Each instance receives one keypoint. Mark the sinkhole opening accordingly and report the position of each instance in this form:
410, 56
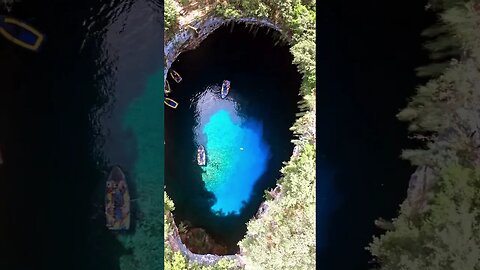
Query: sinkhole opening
245, 135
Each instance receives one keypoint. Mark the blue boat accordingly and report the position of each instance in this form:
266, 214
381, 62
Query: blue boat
225, 88
201, 157
171, 103
20, 33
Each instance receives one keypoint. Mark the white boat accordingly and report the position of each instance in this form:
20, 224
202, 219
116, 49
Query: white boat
201, 157
225, 88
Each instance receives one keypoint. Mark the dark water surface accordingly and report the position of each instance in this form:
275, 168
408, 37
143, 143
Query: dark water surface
367, 55
67, 114
247, 135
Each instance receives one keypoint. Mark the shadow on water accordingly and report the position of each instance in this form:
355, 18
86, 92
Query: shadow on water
265, 84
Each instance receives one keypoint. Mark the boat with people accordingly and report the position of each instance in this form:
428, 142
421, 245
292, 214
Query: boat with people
20, 33
171, 103
225, 88
117, 201
201, 157
175, 76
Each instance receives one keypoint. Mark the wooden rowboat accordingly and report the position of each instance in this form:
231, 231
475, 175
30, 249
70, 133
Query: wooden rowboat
175, 76
20, 33
225, 88
117, 201
171, 103
167, 88
201, 157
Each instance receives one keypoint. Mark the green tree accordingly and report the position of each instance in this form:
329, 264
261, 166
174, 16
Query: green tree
444, 112
284, 238
170, 15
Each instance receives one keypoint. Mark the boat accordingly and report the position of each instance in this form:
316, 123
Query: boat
175, 76
225, 88
1, 157
171, 103
201, 157
167, 88
117, 201
20, 33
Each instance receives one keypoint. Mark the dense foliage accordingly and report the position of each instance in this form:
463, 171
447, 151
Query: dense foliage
446, 114
170, 15
284, 236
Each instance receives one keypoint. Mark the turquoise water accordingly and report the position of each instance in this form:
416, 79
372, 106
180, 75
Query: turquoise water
237, 155
144, 118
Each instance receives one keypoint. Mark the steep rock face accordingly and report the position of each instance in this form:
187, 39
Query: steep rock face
190, 37
199, 242
175, 241
421, 183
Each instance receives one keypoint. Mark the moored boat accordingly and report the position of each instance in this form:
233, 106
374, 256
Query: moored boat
20, 33
201, 157
175, 76
167, 88
171, 103
117, 201
225, 88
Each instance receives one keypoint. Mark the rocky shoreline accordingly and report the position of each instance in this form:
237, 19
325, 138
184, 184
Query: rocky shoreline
188, 38
176, 243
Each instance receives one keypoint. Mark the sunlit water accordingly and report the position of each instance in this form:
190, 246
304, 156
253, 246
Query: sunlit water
237, 155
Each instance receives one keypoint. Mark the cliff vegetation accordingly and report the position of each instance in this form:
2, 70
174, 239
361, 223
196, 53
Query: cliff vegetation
443, 230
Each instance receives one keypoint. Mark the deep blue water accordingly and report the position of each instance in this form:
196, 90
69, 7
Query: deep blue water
246, 135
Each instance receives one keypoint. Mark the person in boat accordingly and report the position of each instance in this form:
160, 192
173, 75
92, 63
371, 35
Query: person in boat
118, 214
118, 199
122, 187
